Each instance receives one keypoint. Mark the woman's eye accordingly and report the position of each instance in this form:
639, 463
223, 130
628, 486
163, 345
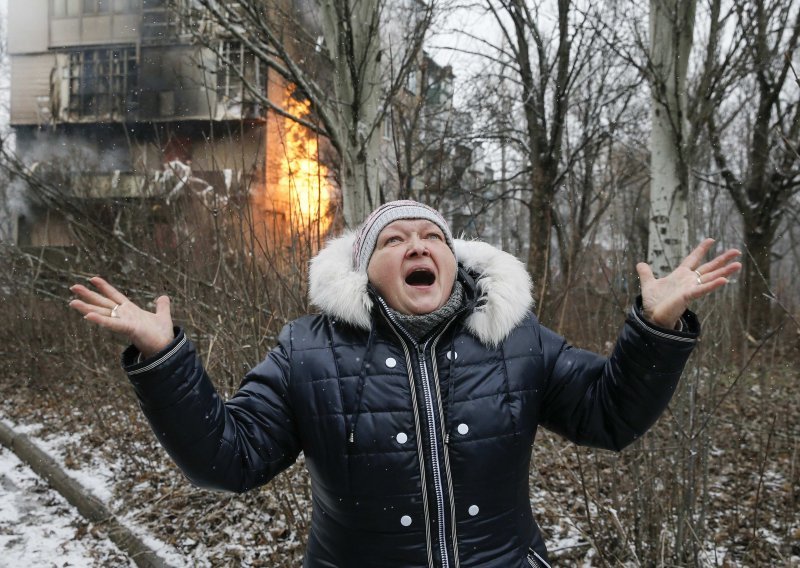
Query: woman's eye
391, 241
436, 236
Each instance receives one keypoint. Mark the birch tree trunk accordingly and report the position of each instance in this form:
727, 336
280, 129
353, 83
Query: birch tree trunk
671, 31
671, 34
352, 34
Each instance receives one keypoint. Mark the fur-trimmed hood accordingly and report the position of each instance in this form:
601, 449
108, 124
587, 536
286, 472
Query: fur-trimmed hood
504, 287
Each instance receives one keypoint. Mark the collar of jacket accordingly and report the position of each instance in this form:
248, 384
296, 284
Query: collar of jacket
503, 287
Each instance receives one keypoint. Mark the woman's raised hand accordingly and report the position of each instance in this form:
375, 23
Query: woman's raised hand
665, 299
108, 307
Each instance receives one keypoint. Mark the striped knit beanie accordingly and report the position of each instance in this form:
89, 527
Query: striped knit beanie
367, 236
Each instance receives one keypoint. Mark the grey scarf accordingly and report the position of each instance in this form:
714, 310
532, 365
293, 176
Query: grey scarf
418, 326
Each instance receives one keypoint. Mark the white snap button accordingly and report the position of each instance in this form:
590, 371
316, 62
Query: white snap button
452, 355
405, 520
402, 438
473, 510
463, 429
391, 362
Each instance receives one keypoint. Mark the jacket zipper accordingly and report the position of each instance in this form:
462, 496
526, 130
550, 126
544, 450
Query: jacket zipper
446, 450
432, 434
420, 454
434, 447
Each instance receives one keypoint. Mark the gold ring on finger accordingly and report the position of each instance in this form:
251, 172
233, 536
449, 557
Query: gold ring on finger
114, 313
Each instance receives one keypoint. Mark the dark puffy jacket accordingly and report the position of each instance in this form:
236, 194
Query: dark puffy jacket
419, 454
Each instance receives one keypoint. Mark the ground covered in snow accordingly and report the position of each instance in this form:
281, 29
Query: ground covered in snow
39, 528
715, 483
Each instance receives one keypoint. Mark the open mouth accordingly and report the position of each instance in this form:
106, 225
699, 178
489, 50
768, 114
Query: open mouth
421, 277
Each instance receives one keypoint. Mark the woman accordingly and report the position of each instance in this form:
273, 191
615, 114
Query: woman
415, 394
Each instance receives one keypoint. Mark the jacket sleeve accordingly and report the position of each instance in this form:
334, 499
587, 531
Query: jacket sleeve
610, 402
232, 446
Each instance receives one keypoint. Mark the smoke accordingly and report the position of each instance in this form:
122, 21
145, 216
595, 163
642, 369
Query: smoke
73, 155
16, 203
58, 161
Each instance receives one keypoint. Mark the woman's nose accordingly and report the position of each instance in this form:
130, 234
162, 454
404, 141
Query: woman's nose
416, 246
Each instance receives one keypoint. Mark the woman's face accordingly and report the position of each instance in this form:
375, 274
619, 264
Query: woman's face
412, 267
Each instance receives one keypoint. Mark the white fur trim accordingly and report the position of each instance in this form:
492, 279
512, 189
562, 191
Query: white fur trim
504, 287
336, 287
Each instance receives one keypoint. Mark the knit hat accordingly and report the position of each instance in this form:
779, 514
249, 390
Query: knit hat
367, 236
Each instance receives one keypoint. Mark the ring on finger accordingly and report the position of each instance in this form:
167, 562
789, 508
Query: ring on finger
699, 277
114, 313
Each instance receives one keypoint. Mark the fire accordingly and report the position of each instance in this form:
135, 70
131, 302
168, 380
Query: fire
301, 190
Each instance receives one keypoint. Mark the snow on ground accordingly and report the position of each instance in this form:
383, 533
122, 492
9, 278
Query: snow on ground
39, 528
97, 478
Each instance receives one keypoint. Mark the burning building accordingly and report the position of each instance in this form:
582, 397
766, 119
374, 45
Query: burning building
134, 108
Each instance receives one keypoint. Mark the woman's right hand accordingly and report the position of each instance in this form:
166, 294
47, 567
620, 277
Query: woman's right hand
149, 332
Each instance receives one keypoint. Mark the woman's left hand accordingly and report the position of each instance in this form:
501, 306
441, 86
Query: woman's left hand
665, 299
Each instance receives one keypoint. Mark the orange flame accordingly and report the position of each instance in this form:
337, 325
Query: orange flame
302, 182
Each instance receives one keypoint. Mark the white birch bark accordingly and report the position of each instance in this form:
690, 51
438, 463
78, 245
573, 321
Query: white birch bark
351, 32
671, 31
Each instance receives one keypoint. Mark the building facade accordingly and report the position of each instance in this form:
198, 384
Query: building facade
123, 98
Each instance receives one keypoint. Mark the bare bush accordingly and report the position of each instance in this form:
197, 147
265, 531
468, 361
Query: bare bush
233, 285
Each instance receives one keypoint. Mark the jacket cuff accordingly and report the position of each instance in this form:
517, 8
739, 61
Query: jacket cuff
689, 330
133, 362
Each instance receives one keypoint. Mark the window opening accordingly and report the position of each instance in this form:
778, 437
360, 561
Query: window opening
235, 62
411, 81
102, 82
159, 21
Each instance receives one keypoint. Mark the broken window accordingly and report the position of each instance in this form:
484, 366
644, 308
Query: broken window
160, 21
102, 82
239, 73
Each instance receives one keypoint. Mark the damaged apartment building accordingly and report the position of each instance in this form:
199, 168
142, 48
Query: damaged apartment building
122, 98
118, 93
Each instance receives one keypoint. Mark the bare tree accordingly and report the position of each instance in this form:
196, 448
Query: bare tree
529, 116
765, 120
566, 92
541, 73
594, 158
680, 102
